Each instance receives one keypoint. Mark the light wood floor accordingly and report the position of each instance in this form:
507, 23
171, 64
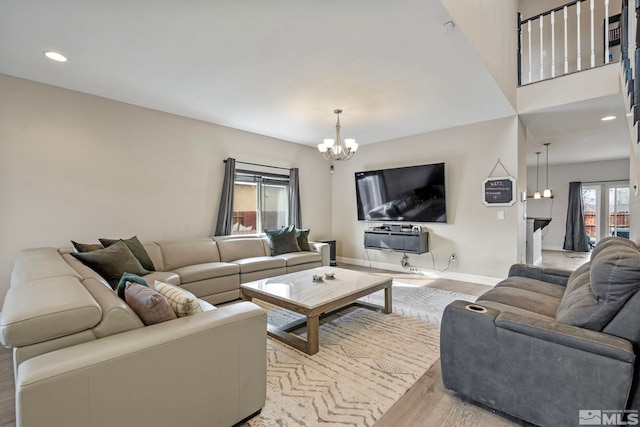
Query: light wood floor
427, 403
7, 389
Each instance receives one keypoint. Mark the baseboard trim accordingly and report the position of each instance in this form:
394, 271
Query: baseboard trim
463, 277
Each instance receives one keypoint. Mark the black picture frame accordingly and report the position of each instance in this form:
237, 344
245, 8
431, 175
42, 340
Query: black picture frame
499, 191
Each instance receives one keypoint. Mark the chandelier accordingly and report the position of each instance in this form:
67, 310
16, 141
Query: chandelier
335, 149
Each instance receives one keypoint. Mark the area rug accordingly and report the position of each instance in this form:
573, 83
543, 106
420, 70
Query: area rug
367, 361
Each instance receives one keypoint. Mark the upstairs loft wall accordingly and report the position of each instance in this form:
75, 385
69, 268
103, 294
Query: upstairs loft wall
491, 28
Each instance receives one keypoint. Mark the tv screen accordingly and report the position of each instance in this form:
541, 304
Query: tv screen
414, 193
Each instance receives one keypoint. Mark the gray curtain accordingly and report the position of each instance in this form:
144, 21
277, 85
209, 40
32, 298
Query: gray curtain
295, 215
225, 211
575, 238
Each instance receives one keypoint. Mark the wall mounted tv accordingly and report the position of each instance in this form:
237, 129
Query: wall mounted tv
411, 194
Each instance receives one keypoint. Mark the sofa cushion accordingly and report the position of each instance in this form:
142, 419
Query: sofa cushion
180, 253
40, 263
232, 249
302, 237
117, 316
194, 273
534, 285
610, 241
137, 249
148, 304
282, 240
86, 247
128, 277
45, 309
298, 258
592, 300
523, 299
183, 302
250, 265
162, 276
112, 262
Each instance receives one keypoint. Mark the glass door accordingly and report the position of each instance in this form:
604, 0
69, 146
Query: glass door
590, 200
606, 210
619, 211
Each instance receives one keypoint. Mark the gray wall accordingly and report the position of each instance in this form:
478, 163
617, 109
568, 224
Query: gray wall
484, 244
559, 178
76, 166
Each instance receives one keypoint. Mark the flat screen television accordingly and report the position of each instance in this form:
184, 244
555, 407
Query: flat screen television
407, 194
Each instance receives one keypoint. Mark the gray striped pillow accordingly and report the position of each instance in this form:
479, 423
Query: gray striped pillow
183, 302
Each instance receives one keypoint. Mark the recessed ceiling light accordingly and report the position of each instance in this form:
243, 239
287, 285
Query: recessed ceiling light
55, 56
607, 118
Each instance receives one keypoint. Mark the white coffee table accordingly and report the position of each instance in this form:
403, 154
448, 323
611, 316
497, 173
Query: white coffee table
297, 292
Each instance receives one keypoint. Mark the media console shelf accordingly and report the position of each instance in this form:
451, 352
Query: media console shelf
399, 241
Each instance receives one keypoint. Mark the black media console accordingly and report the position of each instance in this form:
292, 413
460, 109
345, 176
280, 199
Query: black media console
397, 238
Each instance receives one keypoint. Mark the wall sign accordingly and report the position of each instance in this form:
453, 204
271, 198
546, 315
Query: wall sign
499, 191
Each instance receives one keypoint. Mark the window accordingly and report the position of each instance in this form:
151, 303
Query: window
606, 209
260, 202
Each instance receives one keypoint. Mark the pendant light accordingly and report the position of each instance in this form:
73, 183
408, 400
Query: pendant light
547, 191
536, 195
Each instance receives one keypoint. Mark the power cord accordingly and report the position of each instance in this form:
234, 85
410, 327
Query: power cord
404, 262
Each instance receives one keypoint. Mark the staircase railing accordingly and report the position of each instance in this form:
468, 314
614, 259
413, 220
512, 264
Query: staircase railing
577, 33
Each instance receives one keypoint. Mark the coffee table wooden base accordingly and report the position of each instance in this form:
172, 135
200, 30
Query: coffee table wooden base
311, 344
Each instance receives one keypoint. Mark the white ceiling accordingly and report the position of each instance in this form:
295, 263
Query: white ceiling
577, 133
278, 67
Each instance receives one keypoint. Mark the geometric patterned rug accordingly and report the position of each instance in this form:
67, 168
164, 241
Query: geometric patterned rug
367, 361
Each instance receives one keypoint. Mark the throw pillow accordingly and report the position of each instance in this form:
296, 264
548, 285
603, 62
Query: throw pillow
302, 236
86, 247
136, 248
150, 306
183, 302
282, 240
126, 278
613, 278
112, 262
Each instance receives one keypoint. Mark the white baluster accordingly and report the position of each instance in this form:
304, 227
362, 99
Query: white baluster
593, 48
566, 50
553, 43
579, 60
541, 48
606, 31
529, 41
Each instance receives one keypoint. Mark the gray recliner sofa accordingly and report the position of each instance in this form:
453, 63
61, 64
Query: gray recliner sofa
546, 344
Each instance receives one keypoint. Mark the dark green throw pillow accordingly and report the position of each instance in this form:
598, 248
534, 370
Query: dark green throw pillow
136, 248
282, 240
302, 236
128, 277
112, 262
86, 247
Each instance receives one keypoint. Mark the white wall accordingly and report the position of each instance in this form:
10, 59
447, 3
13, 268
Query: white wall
559, 178
485, 24
483, 244
76, 166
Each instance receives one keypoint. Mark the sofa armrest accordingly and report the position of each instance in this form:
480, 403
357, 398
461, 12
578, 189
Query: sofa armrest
322, 249
210, 366
551, 275
568, 335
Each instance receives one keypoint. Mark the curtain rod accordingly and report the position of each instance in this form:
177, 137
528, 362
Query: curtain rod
258, 164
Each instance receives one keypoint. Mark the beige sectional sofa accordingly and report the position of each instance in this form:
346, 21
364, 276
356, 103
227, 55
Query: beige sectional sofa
82, 356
